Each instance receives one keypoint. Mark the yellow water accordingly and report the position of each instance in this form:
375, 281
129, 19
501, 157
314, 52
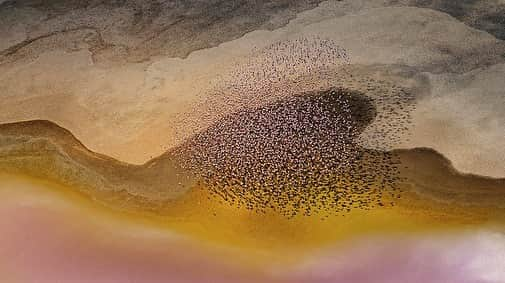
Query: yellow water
259, 236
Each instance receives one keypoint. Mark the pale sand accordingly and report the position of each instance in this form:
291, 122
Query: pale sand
128, 111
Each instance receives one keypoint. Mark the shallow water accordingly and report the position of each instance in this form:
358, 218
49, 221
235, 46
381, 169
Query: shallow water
48, 236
